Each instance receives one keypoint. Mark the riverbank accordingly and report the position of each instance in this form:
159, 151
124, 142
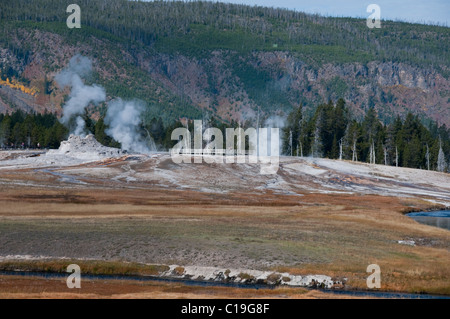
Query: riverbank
194, 274
52, 285
113, 273
19, 287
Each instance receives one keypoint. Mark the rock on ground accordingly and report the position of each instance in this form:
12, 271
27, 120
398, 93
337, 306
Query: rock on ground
86, 148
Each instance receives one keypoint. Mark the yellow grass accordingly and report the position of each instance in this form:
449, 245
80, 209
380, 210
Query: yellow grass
336, 235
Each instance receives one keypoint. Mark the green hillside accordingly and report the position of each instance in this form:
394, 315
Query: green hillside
229, 47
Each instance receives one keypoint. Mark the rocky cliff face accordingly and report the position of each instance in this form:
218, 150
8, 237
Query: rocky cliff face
392, 88
227, 84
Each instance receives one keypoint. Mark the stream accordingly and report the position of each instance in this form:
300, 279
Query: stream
355, 293
439, 218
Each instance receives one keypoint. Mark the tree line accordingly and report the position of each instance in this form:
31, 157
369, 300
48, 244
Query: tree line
21, 130
330, 132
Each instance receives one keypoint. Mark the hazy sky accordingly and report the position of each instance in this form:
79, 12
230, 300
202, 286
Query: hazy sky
422, 11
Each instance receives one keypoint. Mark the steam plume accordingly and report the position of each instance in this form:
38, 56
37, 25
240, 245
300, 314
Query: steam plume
123, 119
81, 95
276, 121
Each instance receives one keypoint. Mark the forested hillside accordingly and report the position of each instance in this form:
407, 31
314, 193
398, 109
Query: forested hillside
184, 59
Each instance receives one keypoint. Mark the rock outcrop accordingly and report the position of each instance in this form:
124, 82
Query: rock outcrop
86, 148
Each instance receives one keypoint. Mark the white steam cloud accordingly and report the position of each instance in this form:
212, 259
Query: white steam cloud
80, 128
81, 95
123, 119
275, 121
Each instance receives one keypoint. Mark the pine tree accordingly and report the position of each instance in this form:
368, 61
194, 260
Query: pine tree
99, 132
5, 131
351, 141
316, 143
293, 131
370, 128
390, 144
89, 124
334, 153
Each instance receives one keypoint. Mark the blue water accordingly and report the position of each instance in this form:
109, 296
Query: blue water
439, 219
441, 213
